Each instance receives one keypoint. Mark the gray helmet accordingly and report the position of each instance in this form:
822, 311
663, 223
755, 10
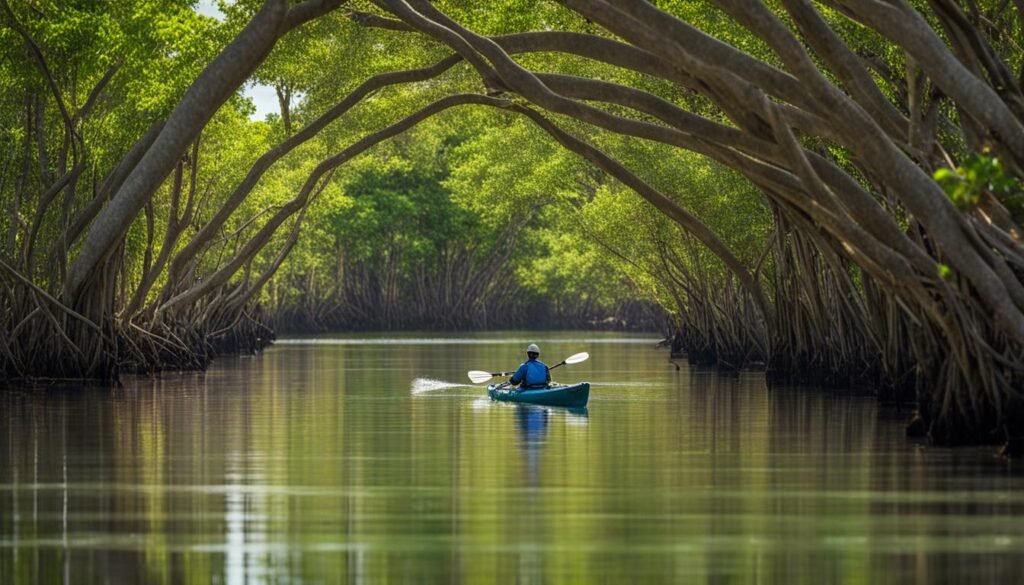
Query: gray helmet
532, 348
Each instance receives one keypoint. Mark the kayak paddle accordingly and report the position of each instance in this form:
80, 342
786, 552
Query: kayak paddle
478, 376
573, 359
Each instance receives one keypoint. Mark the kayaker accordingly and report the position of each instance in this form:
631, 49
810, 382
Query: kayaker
533, 373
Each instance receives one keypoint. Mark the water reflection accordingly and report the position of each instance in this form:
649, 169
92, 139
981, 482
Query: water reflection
318, 464
532, 423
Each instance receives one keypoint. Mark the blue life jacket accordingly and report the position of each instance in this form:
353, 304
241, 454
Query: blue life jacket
532, 373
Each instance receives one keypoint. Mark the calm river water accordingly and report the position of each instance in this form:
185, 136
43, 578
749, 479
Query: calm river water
367, 460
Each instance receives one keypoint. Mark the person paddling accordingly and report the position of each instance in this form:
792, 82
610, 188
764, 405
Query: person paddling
533, 373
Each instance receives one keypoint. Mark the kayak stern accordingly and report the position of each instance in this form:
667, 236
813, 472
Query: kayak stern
568, 395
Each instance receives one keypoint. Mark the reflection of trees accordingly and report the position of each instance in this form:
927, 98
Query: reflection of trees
307, 465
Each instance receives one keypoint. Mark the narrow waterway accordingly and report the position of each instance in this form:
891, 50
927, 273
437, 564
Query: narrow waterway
369, 459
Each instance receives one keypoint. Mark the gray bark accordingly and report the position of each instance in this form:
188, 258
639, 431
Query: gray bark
218, 81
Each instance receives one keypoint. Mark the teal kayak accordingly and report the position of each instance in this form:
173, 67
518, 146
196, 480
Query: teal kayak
567, 395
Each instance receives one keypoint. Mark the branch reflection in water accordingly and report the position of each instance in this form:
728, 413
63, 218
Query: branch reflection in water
321, 464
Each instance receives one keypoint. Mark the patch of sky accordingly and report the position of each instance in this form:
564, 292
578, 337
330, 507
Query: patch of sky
262, 96
209, 8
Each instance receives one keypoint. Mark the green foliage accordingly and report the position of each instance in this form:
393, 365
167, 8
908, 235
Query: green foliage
978, 175
498, 17
721, 198
457, 180
626, 232
510, 165
563, 265
394, 209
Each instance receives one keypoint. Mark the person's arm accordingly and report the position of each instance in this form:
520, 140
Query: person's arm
547, 375
519, 375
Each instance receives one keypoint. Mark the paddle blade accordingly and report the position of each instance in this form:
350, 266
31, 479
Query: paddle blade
577, 358
478, 376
